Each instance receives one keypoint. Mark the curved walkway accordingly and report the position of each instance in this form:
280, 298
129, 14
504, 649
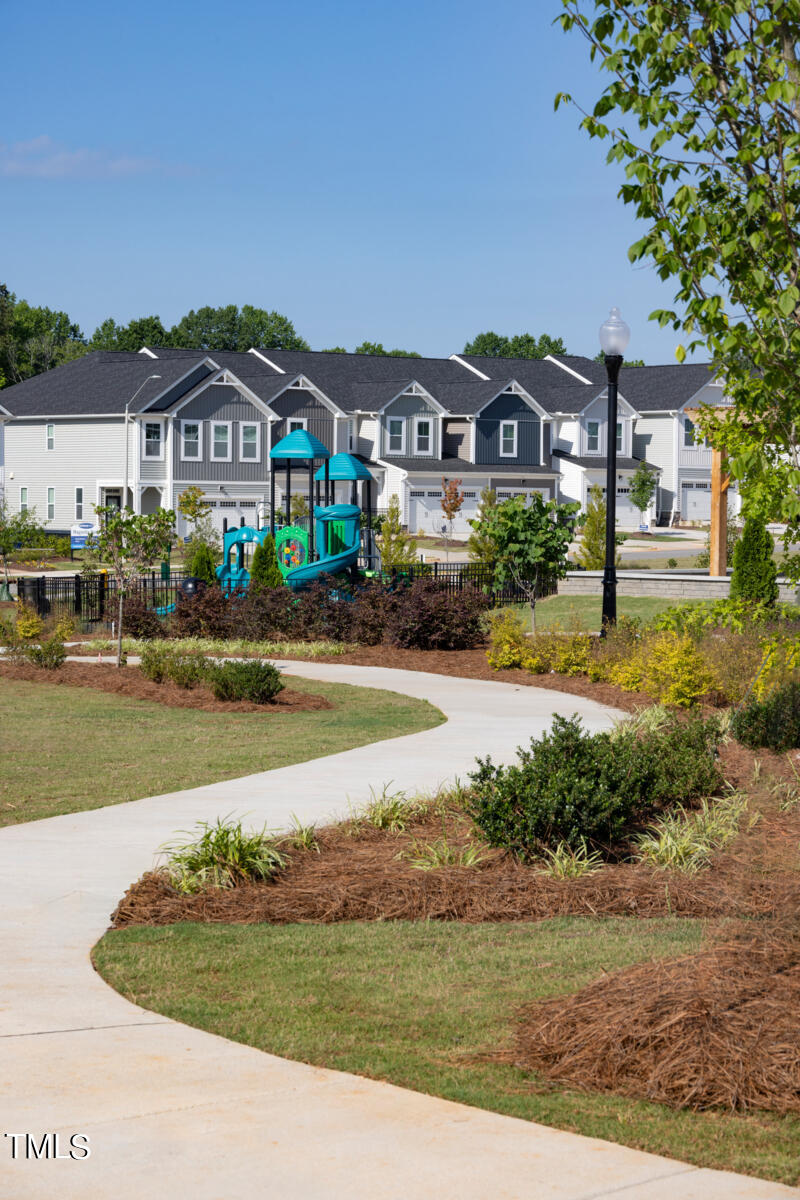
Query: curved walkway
171, 1110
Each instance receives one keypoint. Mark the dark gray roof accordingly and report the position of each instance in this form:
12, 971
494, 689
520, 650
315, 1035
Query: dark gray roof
458, 466
553, 388
656, 389
100, 382
598, 461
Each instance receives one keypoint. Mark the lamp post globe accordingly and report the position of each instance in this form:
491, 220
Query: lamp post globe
614, 337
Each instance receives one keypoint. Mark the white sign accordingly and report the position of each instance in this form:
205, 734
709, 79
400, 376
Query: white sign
81, 533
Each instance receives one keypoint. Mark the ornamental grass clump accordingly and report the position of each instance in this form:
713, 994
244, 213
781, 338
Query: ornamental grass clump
223, 856
583, 789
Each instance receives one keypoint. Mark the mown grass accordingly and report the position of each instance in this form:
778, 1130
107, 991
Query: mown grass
428, 1006
584, 612
64, 749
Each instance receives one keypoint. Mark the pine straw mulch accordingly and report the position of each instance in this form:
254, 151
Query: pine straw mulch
357, 876
129, 681
714, 1029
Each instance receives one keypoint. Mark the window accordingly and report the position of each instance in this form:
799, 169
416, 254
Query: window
298, 423
191, 439
592, 437
221, 441
397, 435
508, 439
423, 441
23, 500
688, 432
78, 504
249, 443
51, 504
51, 436
619, 437
152, 439
351, 435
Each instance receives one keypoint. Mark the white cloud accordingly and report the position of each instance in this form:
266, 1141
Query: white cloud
44, 158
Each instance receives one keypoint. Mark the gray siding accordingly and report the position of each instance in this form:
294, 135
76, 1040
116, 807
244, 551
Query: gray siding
456, 439
297, 402
529, 431
220, 403
409, 407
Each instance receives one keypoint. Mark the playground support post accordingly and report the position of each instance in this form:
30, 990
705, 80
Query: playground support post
311, 510
287, 500
272, 466
327, 483
368, 556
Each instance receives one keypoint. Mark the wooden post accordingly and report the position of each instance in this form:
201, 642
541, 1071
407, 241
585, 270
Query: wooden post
720, 481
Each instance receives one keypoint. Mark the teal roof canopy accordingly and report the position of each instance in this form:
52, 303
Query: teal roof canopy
300, 444
345, 466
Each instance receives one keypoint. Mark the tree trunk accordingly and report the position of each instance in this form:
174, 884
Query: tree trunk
119, 630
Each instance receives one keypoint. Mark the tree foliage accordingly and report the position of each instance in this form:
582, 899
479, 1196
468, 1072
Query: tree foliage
34, 339
643, 487
755, 575
703, 109
479, 544
396, 547
522, 345
142, 331
377, 348
201, 562
264, 569
592, 551
17, 529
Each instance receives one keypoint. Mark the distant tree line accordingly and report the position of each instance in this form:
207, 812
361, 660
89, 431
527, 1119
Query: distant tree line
35, 339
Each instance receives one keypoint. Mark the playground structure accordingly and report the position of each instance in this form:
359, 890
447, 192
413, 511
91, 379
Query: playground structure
331, 544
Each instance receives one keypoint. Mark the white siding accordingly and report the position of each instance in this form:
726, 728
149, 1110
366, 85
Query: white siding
85, 453
367, 433
571, 485
654, 440
565, 436
395, 485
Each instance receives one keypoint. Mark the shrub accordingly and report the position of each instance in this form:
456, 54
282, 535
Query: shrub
779, 664
223, 856
255, 681
574, 787
508, 641
201, 562
207, 614
139, 621
262, 613
29, 623
372, 609
264, 569
734, 661
674, 670
773, 722
754, 572
50, 655
428, 618
162, 661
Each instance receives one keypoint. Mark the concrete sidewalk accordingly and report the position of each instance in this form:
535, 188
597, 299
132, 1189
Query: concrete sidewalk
170, 1110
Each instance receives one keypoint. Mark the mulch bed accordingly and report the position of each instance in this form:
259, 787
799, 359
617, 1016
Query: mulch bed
130, 682
718, 1028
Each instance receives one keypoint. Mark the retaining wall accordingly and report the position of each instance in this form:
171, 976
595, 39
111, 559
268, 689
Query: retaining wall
676, 585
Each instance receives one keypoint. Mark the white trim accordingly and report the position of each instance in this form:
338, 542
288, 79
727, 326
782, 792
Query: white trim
23, 488
50, 504
50, 438
549, 358
431, 439
143, 455
212, 440
418, 390
473, 437
301, 422
78, 503
469, 366
205, 361
250, 425
234, 382
597, 450
512, 388
189, 457
401, 453
148, 352
501, 453
266, 360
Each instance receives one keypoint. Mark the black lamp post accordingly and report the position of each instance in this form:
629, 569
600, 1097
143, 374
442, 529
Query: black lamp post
614, 338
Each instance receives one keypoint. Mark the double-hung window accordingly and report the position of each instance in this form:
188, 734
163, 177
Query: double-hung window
23, 500
191, 440
688, 432
397, 435
249, 445
508, 439
221, 441
619, 437
423, 436
78, 504
152, 439
50, 433
592, 437
51, 504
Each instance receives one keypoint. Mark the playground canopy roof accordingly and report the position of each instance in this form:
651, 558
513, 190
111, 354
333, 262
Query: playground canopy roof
344, 466
300, 444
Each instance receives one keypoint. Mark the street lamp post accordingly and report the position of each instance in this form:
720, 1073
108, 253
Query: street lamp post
614, 338
125, 431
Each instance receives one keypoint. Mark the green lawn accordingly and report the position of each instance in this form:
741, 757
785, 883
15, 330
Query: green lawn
422, 1005
64, 749
584, 612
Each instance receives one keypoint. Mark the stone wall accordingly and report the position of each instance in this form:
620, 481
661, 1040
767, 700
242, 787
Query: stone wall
676, 585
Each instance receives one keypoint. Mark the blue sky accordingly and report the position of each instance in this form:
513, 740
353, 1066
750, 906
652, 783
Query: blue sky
388, 172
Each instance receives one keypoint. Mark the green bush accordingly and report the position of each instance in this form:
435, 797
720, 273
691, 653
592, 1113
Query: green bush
49, 655
575, 787
773, 722
161, 661
264, 569
255, 681
201, 562
754, 575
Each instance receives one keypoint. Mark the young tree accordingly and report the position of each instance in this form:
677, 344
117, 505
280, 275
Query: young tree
452, 501
298, 509
531, 542
16, 529
264, 569
592, 550
129, 542
755, 576
479, 544
195, 509
712, 91
643, 487
397, 549
202, 562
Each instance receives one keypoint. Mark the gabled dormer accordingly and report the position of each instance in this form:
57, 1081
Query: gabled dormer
410, 424
509, 429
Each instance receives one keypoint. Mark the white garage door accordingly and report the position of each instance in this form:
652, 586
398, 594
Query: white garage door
232, 511
627, 514
696, 502
425, 512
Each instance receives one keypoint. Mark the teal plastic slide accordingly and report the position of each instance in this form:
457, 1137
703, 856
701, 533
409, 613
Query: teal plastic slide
338, 541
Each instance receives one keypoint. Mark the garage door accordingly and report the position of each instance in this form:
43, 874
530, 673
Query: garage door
627, 514
425, 512
235, 512
696, 502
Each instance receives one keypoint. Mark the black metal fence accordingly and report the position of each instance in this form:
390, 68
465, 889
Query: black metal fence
454, 577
